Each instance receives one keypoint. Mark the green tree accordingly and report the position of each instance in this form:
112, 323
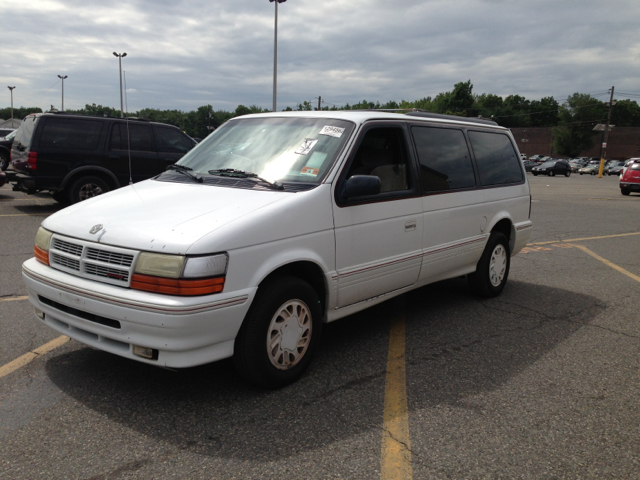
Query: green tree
544, 112
577, 117
626, 113
18, 113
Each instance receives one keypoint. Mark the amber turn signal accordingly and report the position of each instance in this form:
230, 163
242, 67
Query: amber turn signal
41, 255
171, 286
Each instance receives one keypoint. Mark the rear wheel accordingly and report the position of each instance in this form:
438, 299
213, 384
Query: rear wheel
625, 191
551, 173
4, 161
567, 173
87, 187
280, 333
593, 172
492, 270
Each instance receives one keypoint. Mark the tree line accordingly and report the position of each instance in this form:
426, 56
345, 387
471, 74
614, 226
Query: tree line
572, 120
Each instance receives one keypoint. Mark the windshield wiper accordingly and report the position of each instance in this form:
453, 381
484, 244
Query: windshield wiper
232, 172
186, 171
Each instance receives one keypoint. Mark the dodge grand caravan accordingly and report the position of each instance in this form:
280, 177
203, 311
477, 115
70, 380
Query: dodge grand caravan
276, 224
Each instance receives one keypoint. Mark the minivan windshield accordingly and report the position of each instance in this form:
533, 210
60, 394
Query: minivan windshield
283, 149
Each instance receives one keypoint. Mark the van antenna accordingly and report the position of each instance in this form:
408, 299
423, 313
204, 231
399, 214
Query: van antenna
128, 140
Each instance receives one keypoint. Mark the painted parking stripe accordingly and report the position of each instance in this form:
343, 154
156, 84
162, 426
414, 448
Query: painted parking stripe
32, 355
13, 299
608, 263
585, 238
396, 445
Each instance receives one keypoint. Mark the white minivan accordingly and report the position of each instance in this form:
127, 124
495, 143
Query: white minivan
275, 224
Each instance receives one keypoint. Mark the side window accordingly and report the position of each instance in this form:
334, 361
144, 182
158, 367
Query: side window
445, 163
497, 161
139, 137
382, 153
71, 134
171, 140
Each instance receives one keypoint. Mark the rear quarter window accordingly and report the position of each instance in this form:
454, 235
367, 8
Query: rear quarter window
25, 131
71, 134
496, 159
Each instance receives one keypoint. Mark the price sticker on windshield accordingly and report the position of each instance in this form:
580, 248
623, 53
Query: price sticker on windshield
332, 131
306, 146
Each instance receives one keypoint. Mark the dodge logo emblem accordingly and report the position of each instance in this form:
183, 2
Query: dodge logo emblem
96, 228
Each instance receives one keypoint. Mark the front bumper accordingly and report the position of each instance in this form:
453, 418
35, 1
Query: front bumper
633, 187
186, 331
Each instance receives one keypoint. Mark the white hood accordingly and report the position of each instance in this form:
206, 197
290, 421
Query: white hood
158, 216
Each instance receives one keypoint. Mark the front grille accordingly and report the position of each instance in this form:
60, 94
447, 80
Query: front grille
67, 247
109, 257
71, 263
100, 271
102, 263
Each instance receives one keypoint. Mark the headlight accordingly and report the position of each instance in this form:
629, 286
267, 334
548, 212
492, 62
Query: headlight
41, 248
180, 275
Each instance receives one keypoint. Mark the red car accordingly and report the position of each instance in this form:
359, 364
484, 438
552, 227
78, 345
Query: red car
630, 181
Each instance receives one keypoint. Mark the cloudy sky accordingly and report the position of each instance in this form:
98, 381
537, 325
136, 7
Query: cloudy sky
184, 54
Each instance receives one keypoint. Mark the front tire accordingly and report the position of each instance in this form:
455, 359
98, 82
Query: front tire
492, 270
4, 161
280, 333
551, 173
87, 187
625, 191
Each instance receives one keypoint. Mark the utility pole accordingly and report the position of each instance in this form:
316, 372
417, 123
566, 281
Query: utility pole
62, 78
606, 135
11, 88
319, 103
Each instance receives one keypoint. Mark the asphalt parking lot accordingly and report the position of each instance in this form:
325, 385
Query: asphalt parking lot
541, 382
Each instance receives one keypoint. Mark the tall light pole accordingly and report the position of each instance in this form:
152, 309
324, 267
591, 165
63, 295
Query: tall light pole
120, 56
275, 53
62, 78
11, 88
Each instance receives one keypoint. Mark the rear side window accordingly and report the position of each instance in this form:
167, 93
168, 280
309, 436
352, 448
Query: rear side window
71, 134
171, 140
134, 136
445, 163
496, 158
25, 131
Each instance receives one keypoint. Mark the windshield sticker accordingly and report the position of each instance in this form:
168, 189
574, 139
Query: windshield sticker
332, 131
312, 167
306, 146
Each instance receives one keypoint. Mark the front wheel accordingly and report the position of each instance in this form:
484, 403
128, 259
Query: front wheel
87, 187
593, 172
625, 191
280, 333
4, 161
492, 270
551, 173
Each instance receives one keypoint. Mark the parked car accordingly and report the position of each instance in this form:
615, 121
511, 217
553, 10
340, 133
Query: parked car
627, 163
614, 167
6, 131
592, 168
577, 164
630, 180
529, 164
553, 167
76, 157
535, 158
275, 224
5, 150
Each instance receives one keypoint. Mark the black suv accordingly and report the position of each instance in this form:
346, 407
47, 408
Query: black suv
76, 157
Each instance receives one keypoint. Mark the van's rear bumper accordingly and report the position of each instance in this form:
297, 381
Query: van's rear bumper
185, 331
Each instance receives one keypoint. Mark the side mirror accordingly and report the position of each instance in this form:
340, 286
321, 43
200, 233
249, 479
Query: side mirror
362, 185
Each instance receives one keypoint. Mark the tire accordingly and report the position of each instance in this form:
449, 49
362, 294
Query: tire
4, 161
567, 173
87, 187
492, 270
625, 191
276, 366
551, 173
593, 172
535, 174
580, 173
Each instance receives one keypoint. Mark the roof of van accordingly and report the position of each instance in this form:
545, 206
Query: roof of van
362, 116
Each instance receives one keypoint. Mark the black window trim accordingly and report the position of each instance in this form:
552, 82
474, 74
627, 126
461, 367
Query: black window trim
412, 192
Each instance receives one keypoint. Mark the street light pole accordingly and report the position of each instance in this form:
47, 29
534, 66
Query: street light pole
275, 53
11, 88
606, 135
120, 56
62, 78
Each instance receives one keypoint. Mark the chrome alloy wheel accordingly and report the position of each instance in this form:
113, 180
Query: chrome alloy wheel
497, 265
289, 334
89, 190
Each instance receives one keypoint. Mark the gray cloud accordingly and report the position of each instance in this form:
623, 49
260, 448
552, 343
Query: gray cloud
186, 54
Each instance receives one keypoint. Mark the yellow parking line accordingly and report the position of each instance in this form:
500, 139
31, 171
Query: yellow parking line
585, 238
607, 262
32, 355
13, 299
396, 446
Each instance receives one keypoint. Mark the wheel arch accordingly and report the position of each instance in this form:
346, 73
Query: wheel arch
505, 226
101, 172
